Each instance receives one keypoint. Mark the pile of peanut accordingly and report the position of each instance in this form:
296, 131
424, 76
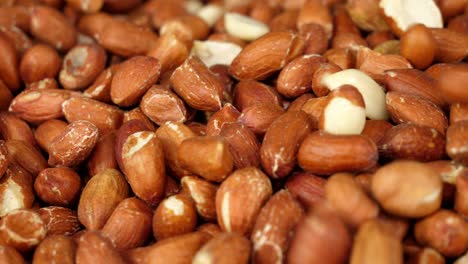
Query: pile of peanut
234, 131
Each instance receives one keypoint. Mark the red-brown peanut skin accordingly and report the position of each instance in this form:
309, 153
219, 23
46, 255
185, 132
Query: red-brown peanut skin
281, 143
128, 128
5, 96
25, 155
323, 231
307, 188
147, 181
47, 131
407, 188
16, 185
161, 105
104, 116
10, 255
82, 65
461, 195
242, 143
445, 231
206, 156
373, 241
215, 123
9, 64
93, 247
405, 108
412, 141
55, 249
240, 198
95, 205
22, 229
60, 220
415, 82
375, 129
451, 82
129, 226
172, 134
174, 216
64, 35
225, 248
249, 92
74, 144
58, 186
273, 228
323, 153
119, 36
197, 85
457, 142
103, 155
294, 79
349, 199
39, 62
258, 117
133, 78
258, 60
458, 112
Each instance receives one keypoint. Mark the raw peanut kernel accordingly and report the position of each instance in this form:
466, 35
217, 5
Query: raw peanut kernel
323, 230
197, 85
22, 229
224, 248
407, 188
59, 249
374, 241
39, 105
307, 188
147, 181
294, 78
404, 108
324, 153
118, 230
133, 78
74, 144
240, 198
444, 231
351, 202
82, 65
39, 62
174, 216
281, 143
412, 141
171, 135
418, 45
206, 156
95, 205
271, 233
457, 142
9, 73
259, 117
203, 194
243, 145
258, 60
346, 100
64, 35
162, 105
372, 93
58, 186
105, 117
